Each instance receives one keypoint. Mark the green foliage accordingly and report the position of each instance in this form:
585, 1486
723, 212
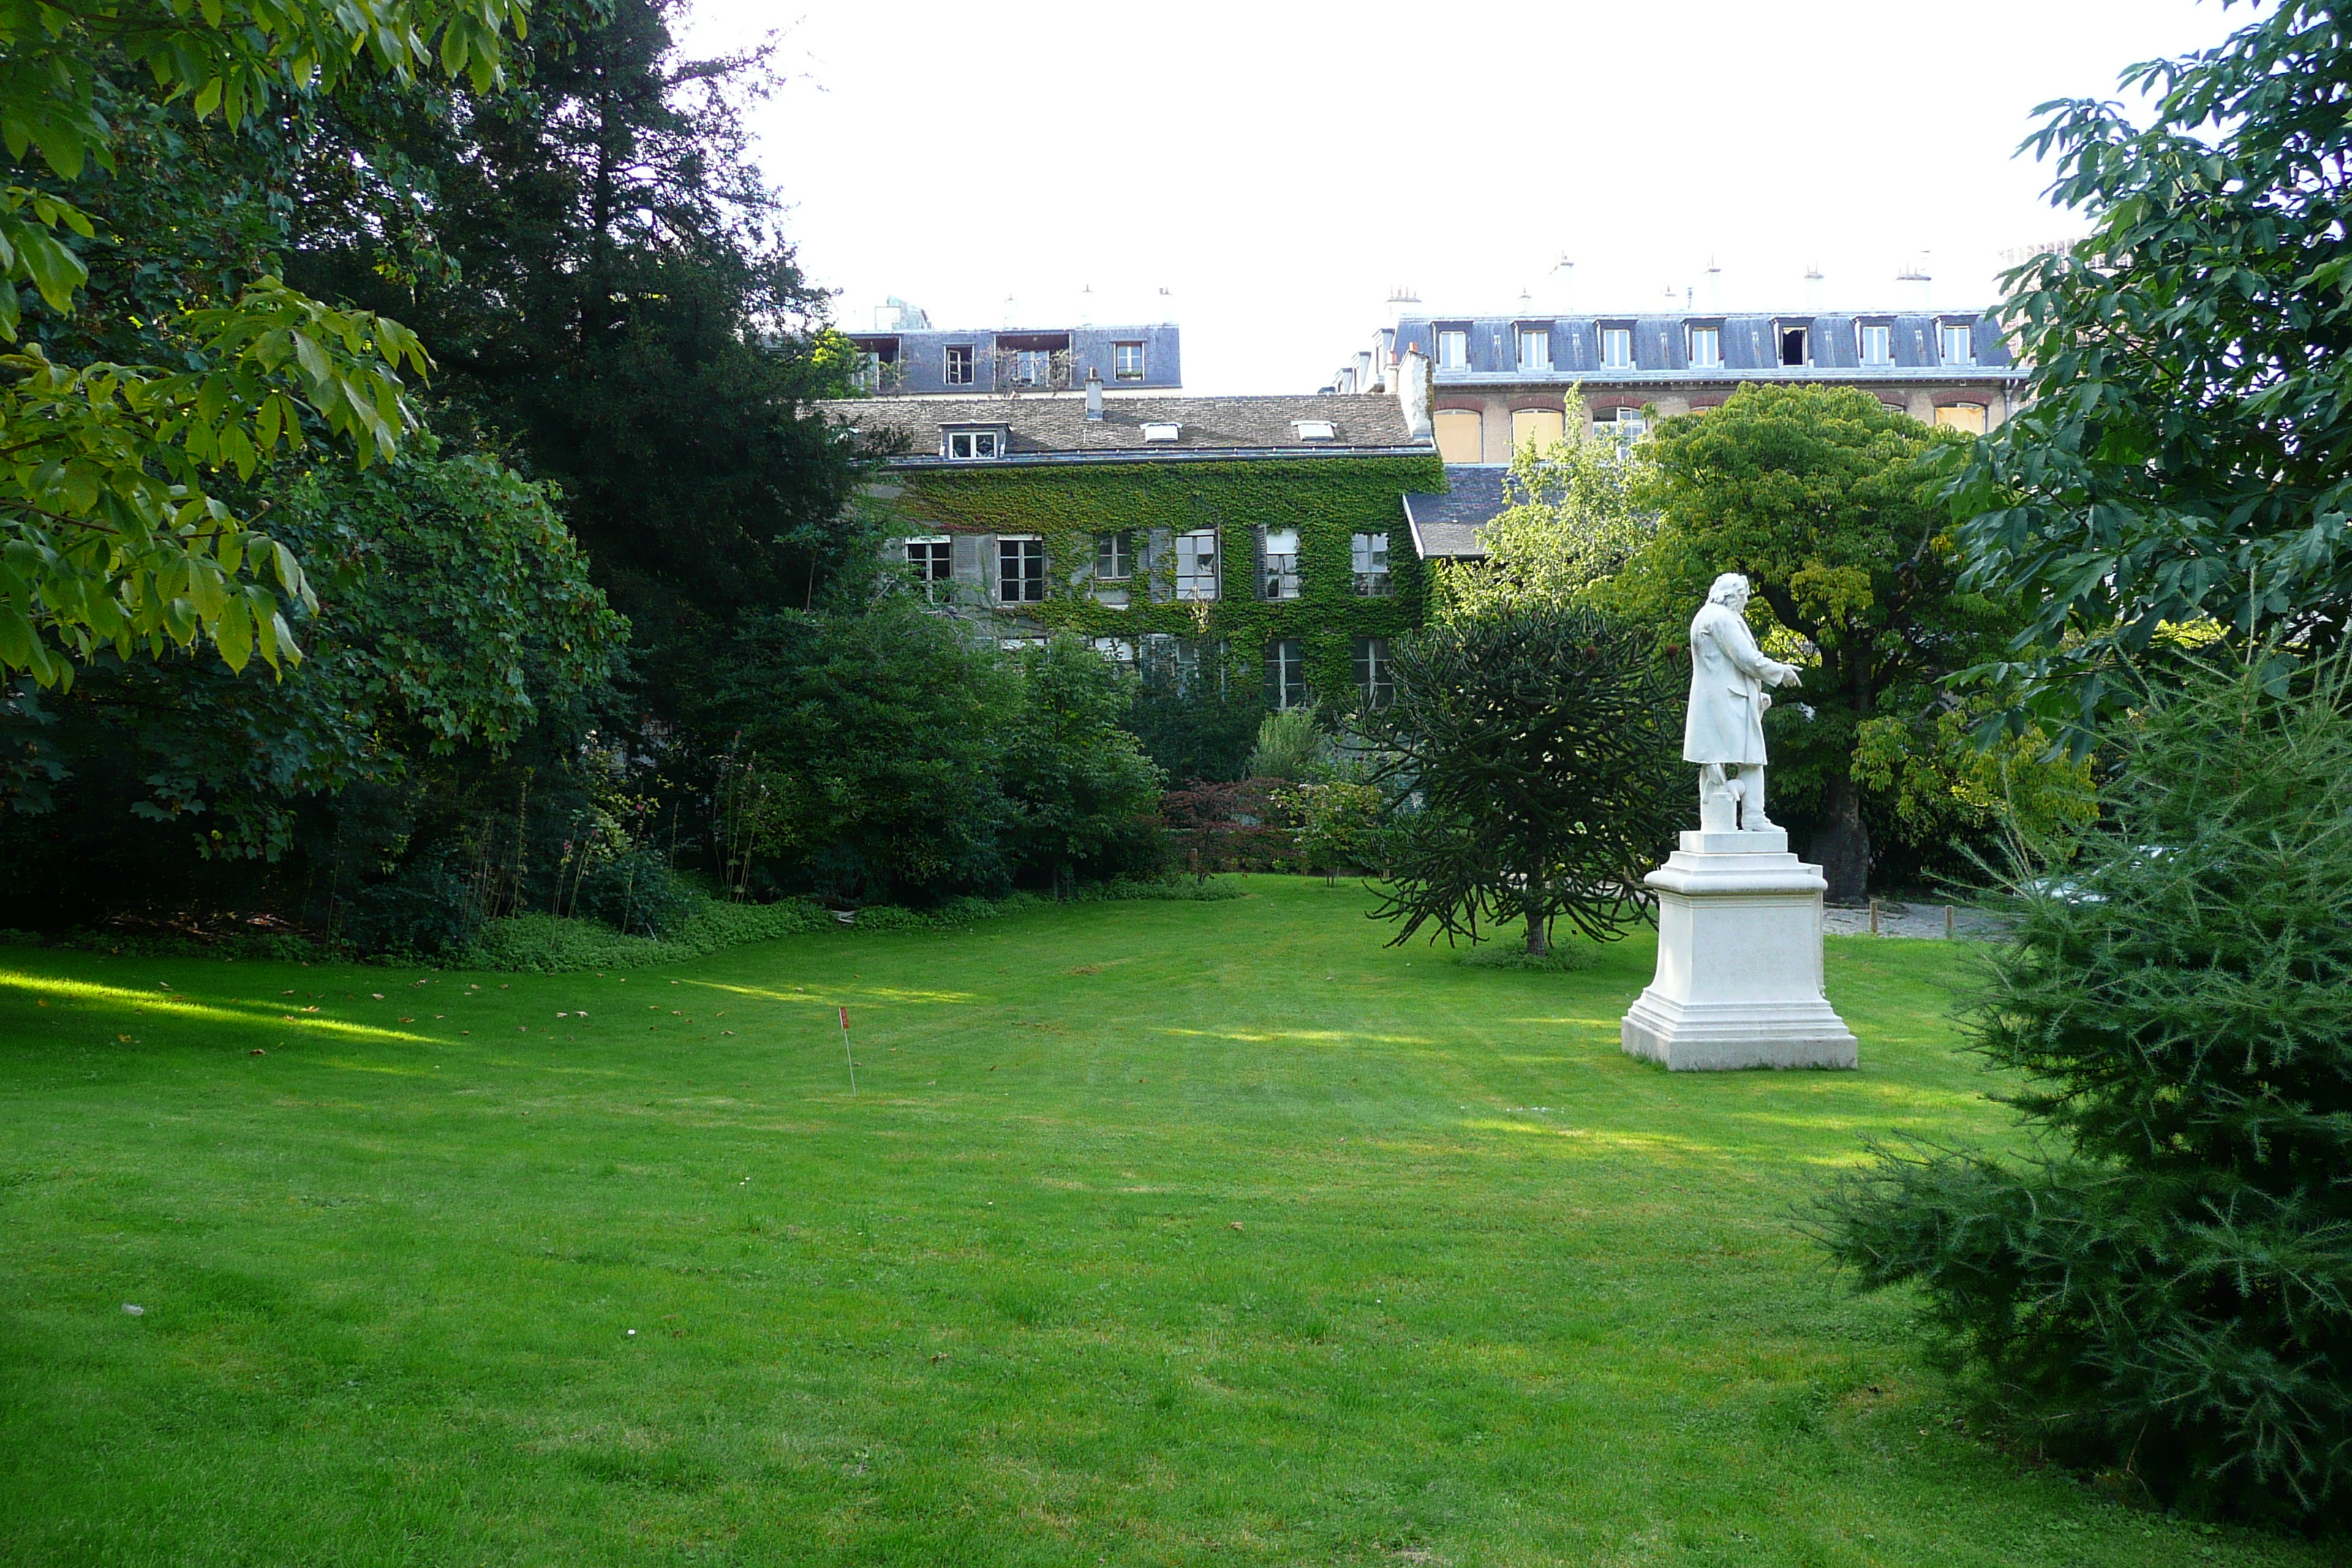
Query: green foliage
1566, 958
596, 259
1943, 779
112, 532
1326, 499
1824, 498
1084, 798
1533, 760
2169, 1288
1571, 518
1290, 745
2179, 455
1338, 823
455, 628
1197, 723
868, 749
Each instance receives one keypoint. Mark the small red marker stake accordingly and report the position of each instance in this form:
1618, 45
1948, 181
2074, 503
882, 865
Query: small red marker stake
845, 1049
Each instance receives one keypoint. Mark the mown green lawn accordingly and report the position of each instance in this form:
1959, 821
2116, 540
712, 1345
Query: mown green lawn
1155, 1233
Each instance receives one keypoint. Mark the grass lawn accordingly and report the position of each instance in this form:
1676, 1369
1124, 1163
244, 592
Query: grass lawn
1155, 1233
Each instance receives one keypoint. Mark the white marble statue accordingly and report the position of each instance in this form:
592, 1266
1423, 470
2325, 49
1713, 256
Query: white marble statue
1724, 731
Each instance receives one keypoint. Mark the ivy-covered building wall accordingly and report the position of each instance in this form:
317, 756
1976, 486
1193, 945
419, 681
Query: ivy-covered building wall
1299, 568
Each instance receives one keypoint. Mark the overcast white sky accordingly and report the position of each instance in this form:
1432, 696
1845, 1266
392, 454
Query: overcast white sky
1278, 167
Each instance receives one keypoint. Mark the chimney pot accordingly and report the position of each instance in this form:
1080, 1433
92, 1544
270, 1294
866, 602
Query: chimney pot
1093, 394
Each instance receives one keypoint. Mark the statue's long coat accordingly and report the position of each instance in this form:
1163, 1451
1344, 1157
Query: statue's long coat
1726, 723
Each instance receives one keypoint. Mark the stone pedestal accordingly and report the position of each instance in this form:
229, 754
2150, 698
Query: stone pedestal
1739, 962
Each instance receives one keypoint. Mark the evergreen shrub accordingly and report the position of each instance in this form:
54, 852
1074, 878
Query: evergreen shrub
2163, 1287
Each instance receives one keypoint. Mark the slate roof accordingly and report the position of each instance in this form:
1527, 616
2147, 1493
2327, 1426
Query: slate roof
1748, 339
1054, 427
1445, 527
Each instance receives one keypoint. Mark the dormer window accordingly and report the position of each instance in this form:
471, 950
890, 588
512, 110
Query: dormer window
1454, 350
1796, 346
1315, 430
1707, 348
1959, 343
1126, 362
1159, 431
1616, 347
975, 445
1877, 344
1535, 349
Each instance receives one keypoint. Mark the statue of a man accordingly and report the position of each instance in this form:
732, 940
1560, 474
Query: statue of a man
1724, 733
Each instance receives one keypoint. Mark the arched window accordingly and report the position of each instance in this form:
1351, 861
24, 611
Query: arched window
1967, 417
1541, 426
1461, 434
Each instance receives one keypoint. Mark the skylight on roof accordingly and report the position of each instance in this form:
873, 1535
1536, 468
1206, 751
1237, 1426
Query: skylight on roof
1162, 432
1315, 430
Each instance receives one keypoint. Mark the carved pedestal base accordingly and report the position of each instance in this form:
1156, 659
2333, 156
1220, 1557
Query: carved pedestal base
1739, 962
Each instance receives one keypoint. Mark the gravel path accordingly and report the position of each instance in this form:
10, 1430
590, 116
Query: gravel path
1910, 920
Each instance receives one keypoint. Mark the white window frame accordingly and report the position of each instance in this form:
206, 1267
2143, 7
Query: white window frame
1964, 335
1535, 350
1454, 350
1711, 338
1617, 348
1115, 550
948, 364
1878, 334
1025, 549
1285, 669
1368, 556
939, 552
1375, 680
1196, 566
1120, 651
1126, 362
1281, 580
977, 446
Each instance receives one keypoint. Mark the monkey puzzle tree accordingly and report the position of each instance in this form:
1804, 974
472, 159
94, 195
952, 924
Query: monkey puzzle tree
1533, 756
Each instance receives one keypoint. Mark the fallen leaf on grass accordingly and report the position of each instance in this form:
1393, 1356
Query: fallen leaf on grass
1237, 1224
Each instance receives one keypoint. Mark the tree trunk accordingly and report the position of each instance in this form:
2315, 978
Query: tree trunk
1841, 845
1538, 945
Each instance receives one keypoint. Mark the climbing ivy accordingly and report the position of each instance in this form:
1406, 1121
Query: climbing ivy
1326, 499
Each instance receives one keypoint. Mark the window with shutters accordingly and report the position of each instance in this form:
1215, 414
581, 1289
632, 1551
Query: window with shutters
1286, 673
1461, 434
1021, 571
1196, 566
1538, 427
1369, 553
1374, 685
1281, 563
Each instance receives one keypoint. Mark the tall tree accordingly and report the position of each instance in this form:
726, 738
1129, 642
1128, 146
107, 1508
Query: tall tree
2186, 450
1825, 498
602, 279
1533, 756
